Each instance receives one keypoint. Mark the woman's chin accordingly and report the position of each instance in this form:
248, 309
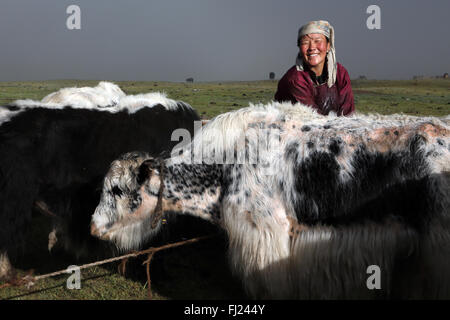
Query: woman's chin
314, 62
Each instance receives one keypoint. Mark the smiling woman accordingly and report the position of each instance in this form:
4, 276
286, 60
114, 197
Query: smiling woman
317, 80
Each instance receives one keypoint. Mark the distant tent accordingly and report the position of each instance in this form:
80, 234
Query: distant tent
272, 75
190, 80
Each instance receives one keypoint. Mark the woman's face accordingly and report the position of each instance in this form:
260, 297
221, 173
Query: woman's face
314, 47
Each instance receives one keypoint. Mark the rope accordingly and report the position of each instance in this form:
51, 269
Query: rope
29, 281
157, 215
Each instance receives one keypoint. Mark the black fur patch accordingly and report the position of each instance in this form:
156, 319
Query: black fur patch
135, 201
12, 108
383, 185
335, 145
305, 128
291, 152
116, 191
143, 173
61, 149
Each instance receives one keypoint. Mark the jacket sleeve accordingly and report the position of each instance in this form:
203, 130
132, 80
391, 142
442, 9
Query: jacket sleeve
346, 100
294, 90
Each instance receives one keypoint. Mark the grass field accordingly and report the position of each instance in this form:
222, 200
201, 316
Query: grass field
197, 271
415, 97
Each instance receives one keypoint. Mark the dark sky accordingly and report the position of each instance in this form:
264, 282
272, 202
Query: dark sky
212, 40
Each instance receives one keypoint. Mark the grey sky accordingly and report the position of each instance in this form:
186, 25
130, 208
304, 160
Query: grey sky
213, 40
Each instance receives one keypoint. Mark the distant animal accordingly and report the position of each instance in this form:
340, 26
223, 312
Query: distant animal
57, 155
311, 204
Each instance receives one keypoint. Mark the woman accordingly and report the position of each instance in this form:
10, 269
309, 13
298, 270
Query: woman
317, 80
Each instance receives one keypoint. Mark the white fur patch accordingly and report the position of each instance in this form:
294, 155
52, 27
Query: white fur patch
106, 96
7, 115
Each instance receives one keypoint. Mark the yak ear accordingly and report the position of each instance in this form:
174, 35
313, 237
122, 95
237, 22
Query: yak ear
145, 171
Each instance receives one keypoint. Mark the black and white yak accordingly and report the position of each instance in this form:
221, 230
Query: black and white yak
314, 207
57, 155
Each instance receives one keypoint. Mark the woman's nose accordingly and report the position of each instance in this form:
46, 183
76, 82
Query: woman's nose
310, 47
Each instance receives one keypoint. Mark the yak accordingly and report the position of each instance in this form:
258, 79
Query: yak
57, 154
314, 207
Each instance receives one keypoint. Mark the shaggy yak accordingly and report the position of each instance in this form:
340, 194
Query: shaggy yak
314, 207
58, 155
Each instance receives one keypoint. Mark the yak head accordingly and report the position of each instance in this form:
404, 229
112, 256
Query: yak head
126, 214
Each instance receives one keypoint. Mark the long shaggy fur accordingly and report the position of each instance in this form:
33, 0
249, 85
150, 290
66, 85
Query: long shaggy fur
105, 94
60, 155
333, 197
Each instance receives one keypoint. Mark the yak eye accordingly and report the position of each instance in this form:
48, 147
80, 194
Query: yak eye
135, 201
116, 191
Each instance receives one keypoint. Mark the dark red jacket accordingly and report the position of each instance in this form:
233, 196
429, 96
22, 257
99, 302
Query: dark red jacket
297, 86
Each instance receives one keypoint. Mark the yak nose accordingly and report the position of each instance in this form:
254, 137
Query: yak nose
94, 231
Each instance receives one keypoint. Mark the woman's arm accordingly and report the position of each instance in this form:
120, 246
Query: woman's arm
294, 87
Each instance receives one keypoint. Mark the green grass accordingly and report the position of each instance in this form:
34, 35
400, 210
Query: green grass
415, 97
197, 271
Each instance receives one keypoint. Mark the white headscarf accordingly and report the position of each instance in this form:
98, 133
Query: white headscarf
322, 27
